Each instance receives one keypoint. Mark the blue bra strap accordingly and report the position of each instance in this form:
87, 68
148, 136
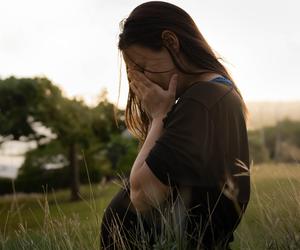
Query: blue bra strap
221, 79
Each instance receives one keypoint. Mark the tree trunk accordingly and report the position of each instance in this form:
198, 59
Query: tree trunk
74, 172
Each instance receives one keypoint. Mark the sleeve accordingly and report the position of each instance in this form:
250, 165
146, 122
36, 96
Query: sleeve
180, 154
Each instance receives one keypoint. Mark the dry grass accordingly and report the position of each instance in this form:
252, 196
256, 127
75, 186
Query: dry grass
49, 221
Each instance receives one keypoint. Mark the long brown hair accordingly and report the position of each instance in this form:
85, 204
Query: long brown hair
144, 27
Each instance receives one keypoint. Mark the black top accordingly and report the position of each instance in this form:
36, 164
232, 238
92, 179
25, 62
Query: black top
203, 151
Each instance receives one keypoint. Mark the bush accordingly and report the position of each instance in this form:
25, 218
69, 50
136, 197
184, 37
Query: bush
278, 143
258, 151
47, 167
5, 186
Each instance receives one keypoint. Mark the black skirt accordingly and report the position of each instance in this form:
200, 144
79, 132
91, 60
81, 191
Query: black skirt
121, 224
206, 225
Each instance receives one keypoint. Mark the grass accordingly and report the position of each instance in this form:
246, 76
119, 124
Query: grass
272, 220
51, 221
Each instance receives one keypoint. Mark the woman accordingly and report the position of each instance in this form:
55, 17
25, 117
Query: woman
190, 119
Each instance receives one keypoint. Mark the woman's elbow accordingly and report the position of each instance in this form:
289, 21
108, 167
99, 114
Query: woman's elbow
138, 201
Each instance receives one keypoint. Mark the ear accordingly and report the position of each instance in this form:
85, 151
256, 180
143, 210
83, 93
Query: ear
170, 40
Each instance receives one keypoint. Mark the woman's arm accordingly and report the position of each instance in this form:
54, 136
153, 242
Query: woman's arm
146, 190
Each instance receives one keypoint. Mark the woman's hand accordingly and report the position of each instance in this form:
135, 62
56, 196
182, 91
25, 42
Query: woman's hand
156, 101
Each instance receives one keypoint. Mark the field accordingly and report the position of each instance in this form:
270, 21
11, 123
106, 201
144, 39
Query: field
50, 221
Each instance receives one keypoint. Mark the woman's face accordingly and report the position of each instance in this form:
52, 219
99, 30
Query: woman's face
153, 64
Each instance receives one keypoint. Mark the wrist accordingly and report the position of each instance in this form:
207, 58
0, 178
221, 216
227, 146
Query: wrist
158, 118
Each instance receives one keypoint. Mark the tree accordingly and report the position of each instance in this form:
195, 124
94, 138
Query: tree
26, 101
71, 120
20, 102
29, 103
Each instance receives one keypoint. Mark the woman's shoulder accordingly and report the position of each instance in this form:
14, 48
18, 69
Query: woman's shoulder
207, 93
204, 98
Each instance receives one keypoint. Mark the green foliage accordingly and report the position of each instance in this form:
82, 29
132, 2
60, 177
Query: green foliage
50, 153
34, 175
86, 139
103, 123
121, 151
6, 186
277, 143
257, 148
25, 101
285, 132
21, 101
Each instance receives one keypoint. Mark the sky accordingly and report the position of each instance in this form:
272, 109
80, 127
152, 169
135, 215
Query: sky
74, 44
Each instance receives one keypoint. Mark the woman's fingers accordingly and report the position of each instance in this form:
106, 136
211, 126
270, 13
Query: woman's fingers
141, 78
137, 83
155, 100
144, 80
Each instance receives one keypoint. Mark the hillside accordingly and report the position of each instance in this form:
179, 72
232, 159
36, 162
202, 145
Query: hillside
268, 113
